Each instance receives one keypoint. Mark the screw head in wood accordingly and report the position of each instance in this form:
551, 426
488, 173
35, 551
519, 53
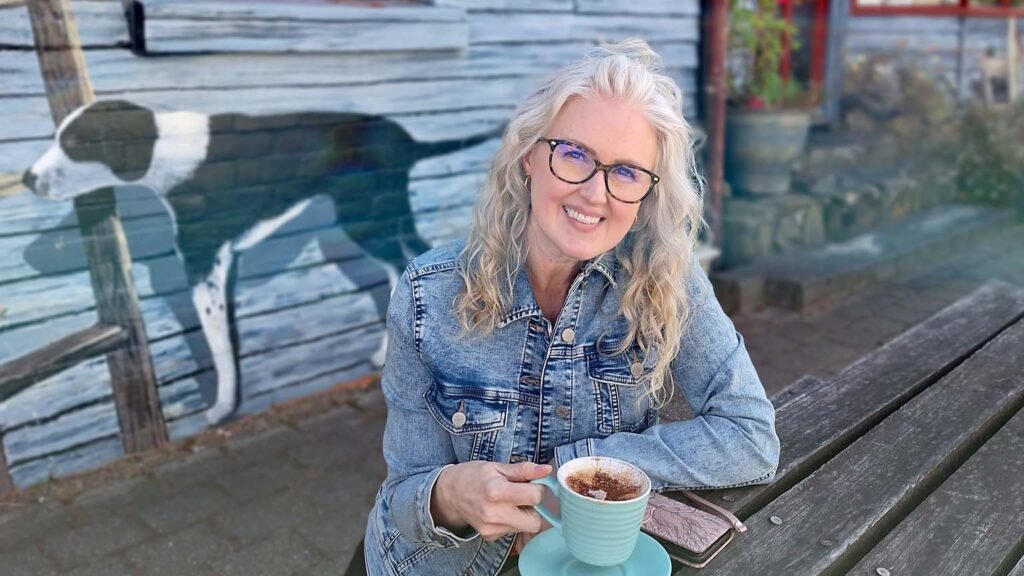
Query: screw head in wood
775, 520
881, 571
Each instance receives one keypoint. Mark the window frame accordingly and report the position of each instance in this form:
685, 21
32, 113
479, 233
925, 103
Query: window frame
964, 8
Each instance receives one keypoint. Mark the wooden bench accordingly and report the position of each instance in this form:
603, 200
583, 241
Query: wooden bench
908, 462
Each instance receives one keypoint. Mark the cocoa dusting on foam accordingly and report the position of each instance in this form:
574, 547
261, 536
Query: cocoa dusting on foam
601, 485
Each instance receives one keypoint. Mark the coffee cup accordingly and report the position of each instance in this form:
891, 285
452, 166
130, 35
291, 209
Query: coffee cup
602, 502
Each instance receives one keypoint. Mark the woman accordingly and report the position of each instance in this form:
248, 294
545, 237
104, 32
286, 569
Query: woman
559, 327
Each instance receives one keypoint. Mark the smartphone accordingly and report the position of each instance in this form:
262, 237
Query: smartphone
690, 535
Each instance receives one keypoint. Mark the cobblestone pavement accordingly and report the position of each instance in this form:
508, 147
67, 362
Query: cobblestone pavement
292, 497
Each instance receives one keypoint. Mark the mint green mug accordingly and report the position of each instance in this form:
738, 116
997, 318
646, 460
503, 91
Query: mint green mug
597, 532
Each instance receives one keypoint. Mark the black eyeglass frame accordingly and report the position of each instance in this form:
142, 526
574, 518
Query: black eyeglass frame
598, 167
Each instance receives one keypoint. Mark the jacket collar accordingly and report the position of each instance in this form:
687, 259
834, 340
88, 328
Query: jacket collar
524, 305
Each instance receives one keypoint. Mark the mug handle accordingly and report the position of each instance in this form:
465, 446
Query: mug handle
546, 514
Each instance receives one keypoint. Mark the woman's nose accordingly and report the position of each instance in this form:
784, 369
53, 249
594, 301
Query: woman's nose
594, 189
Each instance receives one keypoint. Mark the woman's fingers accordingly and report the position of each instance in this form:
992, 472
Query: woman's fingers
523, 471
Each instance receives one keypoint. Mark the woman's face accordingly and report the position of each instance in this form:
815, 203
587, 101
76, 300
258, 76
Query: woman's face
574, 222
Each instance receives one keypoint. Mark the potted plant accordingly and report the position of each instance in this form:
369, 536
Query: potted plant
768, 118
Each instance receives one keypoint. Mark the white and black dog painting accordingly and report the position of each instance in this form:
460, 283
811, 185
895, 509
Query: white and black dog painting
229, 181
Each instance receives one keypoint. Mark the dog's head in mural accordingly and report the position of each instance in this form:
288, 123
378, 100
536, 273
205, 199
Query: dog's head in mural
113, 142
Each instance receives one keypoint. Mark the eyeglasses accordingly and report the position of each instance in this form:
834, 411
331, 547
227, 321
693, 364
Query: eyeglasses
626, 183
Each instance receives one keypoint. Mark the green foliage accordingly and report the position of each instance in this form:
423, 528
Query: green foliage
758, 33
991, 164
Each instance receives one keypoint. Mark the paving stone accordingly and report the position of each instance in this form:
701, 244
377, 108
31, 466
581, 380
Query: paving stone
327, 424
95, 540
254, 520
263, 446
134, 494
185, 508
360, 443
26, 561
181, 553
24, 523
108, 566
329, 567
336, 532
263, 479
179, 475
281, 555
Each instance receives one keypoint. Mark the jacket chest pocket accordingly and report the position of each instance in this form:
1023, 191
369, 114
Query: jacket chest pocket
623, 403
474, 417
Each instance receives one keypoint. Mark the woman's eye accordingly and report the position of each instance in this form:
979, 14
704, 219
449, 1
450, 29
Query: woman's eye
574, 154
625, 173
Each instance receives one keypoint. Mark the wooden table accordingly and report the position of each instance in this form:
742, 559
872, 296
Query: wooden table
911, 461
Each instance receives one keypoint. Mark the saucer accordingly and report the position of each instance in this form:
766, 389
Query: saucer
546, 555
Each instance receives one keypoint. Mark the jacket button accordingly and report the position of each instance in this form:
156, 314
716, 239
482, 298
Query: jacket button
562, 412
636, 369
516, 459
459, 419
568, 335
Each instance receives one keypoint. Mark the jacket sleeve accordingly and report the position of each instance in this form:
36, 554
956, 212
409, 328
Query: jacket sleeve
731, 440
416, 447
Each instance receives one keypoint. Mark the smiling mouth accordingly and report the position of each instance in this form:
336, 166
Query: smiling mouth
582, 219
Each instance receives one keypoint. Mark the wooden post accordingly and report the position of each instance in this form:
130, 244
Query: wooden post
131, 368
716, 32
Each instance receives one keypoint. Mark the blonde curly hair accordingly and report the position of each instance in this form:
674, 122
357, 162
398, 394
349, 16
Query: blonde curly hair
655, 254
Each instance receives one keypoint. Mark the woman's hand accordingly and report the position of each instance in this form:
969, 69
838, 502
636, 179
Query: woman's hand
551, 503
494, 499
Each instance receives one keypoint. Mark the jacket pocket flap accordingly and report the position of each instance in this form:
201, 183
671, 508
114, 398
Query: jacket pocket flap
466, 409
620, 370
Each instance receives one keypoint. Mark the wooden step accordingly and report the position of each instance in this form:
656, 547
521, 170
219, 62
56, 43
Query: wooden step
803, 279
44, 362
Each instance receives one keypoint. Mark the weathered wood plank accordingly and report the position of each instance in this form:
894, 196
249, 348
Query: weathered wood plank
80, 458
813, 428
19, 155
10, 184
100, 24
1018, 570
495, 28
6, 482
117, 70
971, 524
871, 485
312, 386
307, 360
175, 32
511, 5
131, 368
44, 362
907, 25
804, 385
180, 352
305, 12
79, 427
649, 7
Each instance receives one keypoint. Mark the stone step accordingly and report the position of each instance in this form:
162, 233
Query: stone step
809, 278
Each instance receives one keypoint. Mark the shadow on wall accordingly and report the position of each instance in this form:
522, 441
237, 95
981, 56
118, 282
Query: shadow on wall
212, 188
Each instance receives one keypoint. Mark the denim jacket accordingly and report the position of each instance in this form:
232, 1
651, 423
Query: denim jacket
533, 391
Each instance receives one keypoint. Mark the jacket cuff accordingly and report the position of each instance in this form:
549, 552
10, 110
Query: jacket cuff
437, 534
577, 449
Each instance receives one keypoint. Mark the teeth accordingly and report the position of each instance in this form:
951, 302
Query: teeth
580, 217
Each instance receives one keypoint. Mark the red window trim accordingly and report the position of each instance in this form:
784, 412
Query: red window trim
964, 9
